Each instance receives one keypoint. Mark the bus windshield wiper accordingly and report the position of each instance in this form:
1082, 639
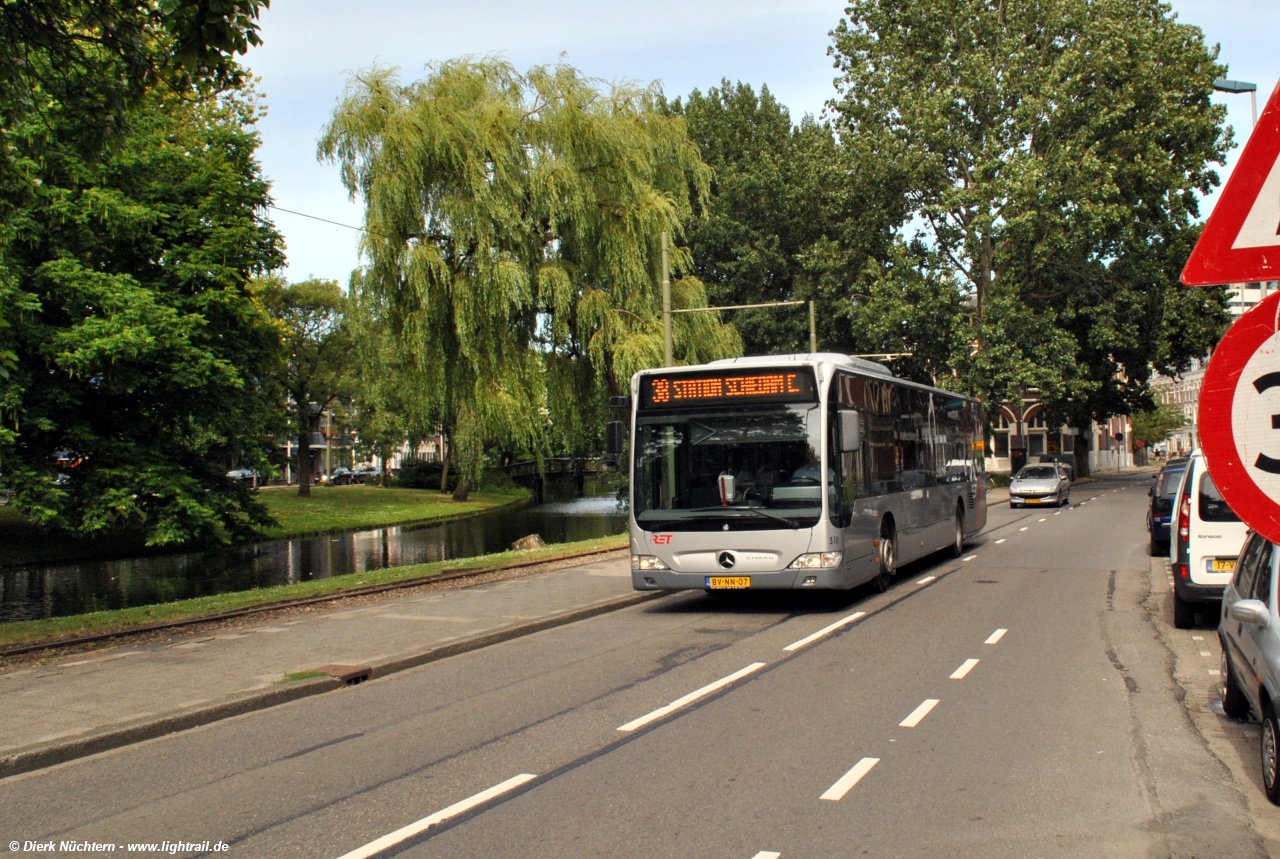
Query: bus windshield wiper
790, 523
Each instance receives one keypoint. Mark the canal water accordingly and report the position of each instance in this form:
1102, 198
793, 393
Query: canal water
56, 590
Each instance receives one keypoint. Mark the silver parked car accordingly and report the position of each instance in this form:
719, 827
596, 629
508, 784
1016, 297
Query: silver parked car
1249, 629
1046, 483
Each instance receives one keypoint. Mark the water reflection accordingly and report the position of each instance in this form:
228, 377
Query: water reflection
54, 590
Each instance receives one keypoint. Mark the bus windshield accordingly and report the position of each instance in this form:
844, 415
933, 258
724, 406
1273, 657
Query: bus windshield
772, 454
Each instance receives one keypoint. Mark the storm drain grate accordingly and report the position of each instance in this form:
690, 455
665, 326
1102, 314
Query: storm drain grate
352, 675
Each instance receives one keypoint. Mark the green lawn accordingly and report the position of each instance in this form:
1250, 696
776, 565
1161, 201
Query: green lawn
21, 632
342, 508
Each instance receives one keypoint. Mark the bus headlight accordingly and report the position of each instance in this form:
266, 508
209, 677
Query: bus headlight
647, 562
816, 559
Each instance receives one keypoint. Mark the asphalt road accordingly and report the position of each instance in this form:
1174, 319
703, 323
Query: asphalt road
1031, 699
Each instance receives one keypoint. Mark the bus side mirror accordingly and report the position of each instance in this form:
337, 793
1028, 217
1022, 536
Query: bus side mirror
615, 436
850, 431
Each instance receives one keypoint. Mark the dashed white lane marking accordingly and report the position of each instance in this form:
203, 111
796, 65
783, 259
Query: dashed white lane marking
766, 854
970, 558
826, 630
1195, 637
1025, 528
1001, 540
964, 669
926, 580
1042, 520
1205, 653
836, 792
995, 636
406, 832
1214, 672
1057, 513
691, 697
918, 714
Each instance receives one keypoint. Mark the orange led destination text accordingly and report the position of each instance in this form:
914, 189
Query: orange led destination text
672, 390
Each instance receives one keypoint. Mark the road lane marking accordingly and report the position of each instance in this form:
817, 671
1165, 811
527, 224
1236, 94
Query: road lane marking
826, 630
970, 558
407, 832
1042, 520
766, 854
836, 792
1024, 528
691, 697
918, 714
926, 580
959, 673
1195, 637
1205, 653
1001, 540
995, 636
1058, 513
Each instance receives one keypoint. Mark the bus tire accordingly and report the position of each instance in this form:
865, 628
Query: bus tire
957, 544
888, 559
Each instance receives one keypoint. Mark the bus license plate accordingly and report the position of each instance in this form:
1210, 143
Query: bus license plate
733, 582
1222, 565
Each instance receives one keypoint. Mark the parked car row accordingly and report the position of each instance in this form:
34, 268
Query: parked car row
1218, 563
343, 476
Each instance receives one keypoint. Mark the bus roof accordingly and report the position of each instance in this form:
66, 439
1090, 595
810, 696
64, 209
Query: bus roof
861, 365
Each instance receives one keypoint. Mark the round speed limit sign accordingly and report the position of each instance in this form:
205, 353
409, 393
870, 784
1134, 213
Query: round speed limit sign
1240, 418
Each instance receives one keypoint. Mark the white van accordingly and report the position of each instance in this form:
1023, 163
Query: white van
1205, 537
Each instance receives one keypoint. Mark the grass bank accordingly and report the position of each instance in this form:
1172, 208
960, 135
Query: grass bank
26, 631
346, 508
329, 509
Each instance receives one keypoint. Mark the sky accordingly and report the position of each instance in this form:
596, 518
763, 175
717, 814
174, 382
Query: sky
311, 49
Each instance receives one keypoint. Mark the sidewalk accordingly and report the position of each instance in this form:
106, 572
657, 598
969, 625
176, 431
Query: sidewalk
83, 703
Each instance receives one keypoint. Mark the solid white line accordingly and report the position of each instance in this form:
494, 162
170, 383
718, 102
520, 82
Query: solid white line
691, 697
995, 636
1001, 540
837, 791
826, 630
926, 580
406, 832
918, 714
766, 854
970, 558
964, 669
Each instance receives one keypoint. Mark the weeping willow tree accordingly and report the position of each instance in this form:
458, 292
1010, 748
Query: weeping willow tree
512, 242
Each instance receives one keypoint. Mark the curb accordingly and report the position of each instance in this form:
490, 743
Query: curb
58, 751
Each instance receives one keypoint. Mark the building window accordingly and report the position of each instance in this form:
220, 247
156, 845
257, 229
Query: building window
1002, 436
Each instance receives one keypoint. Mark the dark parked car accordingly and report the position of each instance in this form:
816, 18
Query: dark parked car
1160, 510
341, 476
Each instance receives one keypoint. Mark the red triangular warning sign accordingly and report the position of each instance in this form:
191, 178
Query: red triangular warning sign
1241, 241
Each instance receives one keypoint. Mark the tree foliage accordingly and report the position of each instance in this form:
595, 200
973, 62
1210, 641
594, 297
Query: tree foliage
317, 366
1153, 426
139, 353
513, 224
1053, 152
788, 215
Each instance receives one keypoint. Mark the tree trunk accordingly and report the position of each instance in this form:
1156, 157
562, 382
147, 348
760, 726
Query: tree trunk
1081, 448
384, 455
444, 472
462, 490
304, 422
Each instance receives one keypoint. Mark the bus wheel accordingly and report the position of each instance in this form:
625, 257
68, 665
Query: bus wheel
957, 546
888, 560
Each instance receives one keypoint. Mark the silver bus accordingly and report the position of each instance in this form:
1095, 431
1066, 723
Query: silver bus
797, 471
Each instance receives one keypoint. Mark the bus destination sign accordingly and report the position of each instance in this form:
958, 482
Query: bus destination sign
695, 389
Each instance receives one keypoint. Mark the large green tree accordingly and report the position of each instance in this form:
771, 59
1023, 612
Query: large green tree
318, 365
1054, 152
513, 224
140, 352
786, 216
